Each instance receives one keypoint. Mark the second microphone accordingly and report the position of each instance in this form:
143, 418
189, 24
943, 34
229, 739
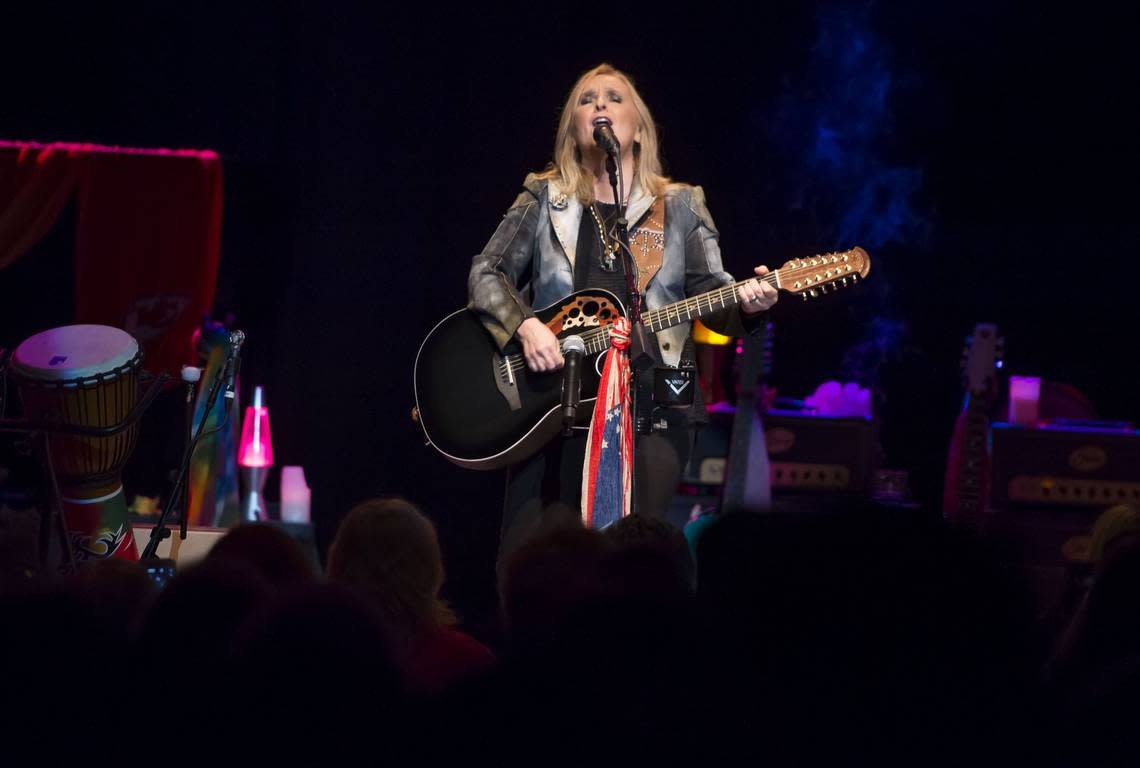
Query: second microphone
573, 349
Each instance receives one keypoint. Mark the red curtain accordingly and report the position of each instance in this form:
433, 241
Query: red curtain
147, 240
35, 183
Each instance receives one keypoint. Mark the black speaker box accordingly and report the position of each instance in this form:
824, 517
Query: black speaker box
807, 453
1064, 466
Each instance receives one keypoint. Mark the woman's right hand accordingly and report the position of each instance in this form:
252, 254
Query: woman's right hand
541, 349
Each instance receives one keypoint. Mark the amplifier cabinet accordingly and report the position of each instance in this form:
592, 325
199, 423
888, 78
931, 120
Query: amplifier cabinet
806, 453
1064, 466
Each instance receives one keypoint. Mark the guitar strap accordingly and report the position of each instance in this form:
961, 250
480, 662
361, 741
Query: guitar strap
647, 241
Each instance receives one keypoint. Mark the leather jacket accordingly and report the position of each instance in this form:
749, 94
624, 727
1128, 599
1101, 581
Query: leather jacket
535, 244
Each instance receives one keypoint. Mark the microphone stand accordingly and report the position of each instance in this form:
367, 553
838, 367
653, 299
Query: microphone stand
190, 377
160, 530
637, 341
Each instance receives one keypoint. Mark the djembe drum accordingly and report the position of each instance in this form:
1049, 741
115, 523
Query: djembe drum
85, 376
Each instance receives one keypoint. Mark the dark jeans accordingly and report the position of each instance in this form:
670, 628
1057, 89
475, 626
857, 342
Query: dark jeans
544, 492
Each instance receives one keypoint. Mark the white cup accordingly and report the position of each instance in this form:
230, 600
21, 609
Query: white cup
296, 497
1024, 400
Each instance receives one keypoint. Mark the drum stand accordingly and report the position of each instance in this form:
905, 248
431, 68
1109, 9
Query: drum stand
39, 433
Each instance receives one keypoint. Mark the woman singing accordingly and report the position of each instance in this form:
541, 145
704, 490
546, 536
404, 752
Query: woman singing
559, 237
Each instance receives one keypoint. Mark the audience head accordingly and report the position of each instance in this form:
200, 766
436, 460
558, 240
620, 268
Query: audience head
1115, 527
119, 590
651, 557
549, 578
328, 639
269, 550
197, 615
388, 549
1111, 623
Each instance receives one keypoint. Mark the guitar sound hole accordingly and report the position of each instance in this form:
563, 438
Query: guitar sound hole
604, 314
574, 312
591, 308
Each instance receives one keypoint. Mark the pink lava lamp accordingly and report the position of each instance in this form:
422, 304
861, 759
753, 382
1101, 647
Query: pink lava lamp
255, 457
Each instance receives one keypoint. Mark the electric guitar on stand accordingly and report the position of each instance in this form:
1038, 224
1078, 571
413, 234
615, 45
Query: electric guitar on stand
747, 483
968, 466
482, 408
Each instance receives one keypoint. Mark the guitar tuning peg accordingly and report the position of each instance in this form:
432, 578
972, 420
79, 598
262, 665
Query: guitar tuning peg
813, 293
804, 296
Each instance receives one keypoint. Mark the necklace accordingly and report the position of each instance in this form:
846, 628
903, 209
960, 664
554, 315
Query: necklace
608, 258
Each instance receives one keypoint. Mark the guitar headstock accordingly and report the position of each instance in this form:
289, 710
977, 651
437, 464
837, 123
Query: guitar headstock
819, 274
981, 359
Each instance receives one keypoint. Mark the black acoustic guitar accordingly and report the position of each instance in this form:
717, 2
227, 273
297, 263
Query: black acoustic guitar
482, 408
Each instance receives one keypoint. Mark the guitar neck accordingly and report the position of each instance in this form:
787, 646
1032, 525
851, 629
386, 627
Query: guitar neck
972, 464
807, 277
701, 305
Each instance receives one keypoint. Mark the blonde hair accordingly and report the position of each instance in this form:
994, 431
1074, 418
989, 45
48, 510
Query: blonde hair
566, 169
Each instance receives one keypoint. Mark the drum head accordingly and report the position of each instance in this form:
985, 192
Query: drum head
74, 352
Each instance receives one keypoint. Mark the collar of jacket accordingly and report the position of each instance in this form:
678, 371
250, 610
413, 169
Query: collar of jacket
566, 214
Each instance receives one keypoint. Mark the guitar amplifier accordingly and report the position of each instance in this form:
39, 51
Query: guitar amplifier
1065, 465
806, 453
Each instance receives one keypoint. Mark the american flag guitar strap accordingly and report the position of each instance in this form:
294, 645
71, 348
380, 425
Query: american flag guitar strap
607, 473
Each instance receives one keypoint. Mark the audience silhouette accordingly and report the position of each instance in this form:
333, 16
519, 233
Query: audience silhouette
867, 636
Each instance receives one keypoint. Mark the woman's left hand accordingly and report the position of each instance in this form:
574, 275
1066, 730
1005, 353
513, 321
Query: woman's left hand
756, 295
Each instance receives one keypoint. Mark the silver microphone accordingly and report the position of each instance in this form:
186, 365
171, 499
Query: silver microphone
573, 349
233, 363
606, 140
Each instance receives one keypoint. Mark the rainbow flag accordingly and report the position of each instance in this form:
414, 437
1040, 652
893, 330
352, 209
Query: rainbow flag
213, 470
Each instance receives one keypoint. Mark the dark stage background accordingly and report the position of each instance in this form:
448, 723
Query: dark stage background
985, 153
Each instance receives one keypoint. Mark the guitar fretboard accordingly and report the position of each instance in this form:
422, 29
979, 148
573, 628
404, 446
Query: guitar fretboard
973, 455
701, 305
